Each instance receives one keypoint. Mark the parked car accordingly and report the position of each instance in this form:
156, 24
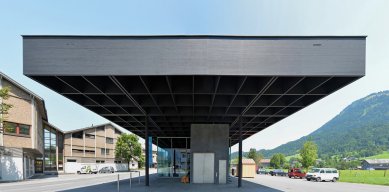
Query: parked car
88, 169
277, 172
296, 173
108, 169
262, 171
323, 174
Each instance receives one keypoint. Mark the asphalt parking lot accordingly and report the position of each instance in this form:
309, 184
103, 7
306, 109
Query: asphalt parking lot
107, 182
291, 184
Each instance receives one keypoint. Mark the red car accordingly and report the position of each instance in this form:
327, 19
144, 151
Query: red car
296, 172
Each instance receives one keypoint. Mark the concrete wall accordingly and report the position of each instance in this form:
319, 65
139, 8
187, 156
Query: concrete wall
210, 138
11, 168
11, 164
73, 167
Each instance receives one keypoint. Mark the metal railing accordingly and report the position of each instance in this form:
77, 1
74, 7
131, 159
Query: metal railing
118, 179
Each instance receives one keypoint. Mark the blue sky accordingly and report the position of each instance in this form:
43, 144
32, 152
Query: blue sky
276, 17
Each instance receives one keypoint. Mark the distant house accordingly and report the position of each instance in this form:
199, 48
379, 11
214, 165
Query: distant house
264, 163
376, 164
348, 159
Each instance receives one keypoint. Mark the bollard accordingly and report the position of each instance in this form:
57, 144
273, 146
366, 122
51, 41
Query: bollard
138, 177
130, 179
118, 183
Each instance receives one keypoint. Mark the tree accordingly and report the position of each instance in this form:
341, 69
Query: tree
128, 148
141, 161
278, 160
308, 154
253, 154
4, 107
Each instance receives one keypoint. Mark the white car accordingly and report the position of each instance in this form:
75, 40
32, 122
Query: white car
88, 169
323, 174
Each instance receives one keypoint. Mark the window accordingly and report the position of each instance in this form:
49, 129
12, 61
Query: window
24, 129
100, 161
103, 151
118, 132
322, 171
334, 171
117, 161
100, 128
77, 151
71, 160
77, 135
107, 151
109, 140
50, 148
328, 171
16, 128
90, 151
90, 136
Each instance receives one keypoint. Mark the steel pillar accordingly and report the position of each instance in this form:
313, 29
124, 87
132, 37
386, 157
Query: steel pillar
147, 182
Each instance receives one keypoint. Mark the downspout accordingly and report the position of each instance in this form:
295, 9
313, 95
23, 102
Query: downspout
1, 115
1, 128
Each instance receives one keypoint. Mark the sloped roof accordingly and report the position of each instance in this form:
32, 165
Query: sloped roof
41, 102
265, 161
93, 126
248, 162
377, 161
52, 126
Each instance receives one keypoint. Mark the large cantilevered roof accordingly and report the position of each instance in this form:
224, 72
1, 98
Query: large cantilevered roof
182, 80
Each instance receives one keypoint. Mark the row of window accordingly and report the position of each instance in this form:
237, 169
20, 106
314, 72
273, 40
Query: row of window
97, 161
103, 151
16, 128
79, 135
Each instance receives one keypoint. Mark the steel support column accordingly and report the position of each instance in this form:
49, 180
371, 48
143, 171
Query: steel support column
240, 154
147, 183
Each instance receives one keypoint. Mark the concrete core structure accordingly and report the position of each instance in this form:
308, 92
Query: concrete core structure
162, 86
208, 138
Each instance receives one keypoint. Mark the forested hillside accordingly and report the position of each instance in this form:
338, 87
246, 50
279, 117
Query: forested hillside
360, 130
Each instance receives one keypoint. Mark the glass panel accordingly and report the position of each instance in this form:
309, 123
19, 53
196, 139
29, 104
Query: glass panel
179, 157
53, 160
60, 142
173, 157
10, 127
24, 129
109, 140
164, 157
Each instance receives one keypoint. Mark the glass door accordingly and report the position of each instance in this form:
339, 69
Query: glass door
173, 157
38, 166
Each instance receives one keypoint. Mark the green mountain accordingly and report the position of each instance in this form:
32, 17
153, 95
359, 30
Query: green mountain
360, 130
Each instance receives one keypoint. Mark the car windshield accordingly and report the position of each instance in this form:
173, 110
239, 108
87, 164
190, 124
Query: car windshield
315, 170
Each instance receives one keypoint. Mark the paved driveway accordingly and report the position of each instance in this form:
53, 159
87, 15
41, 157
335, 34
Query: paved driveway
287, 184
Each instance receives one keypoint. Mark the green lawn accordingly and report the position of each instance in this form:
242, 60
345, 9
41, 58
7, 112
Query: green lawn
384, 155
376, 177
